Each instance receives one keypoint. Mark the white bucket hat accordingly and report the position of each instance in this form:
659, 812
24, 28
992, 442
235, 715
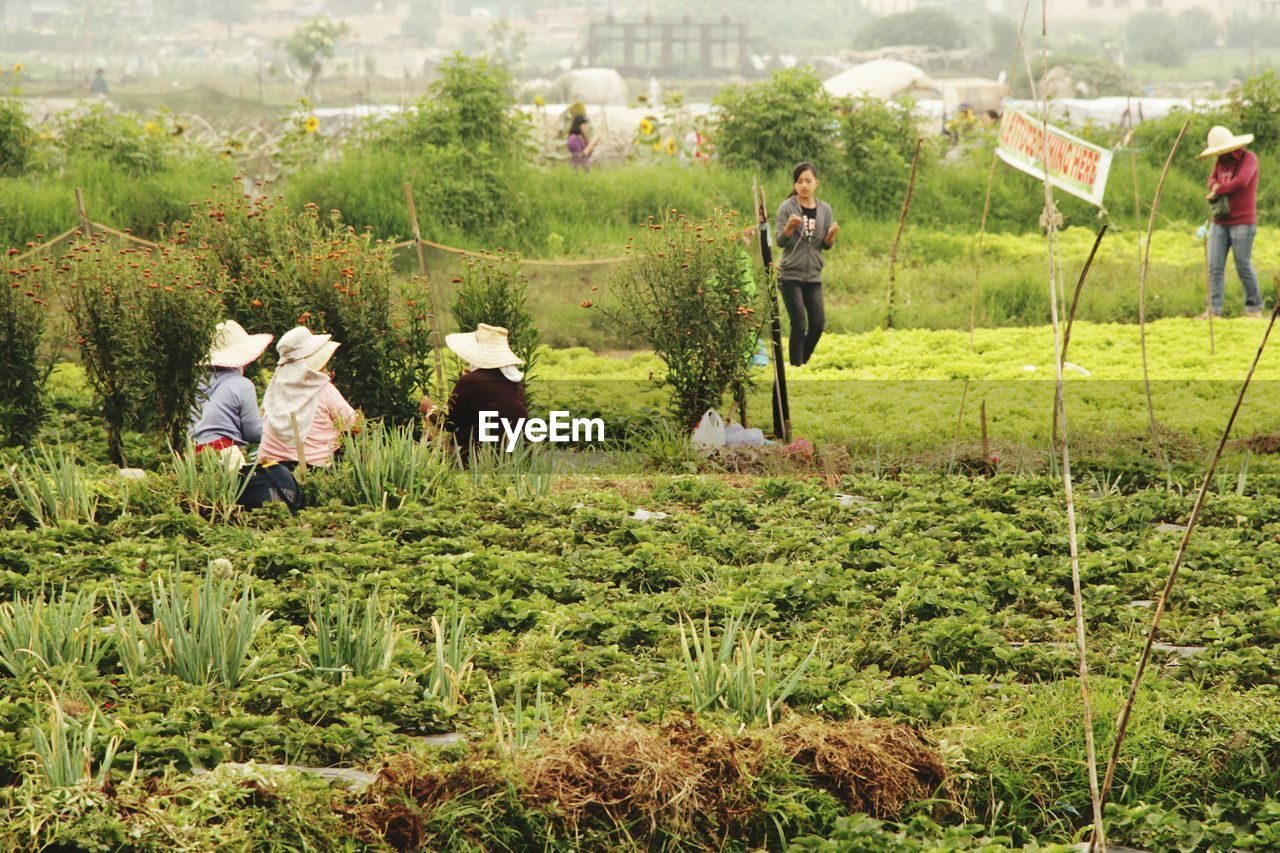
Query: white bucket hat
1222, 140
234, 347
485, 348
301, 344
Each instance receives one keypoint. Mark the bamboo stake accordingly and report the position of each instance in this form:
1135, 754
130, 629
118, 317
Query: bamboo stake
1050, 215
960, 417
986, 446
431, 291
298, 447
124, 236
902, 222
1133, 168
44, 246
1142, 290
1071, 317
1122, 723
977, 262
1208, 285
85, 225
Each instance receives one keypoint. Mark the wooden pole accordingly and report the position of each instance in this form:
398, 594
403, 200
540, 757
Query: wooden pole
986, 446
1208, 285
431, 292
1071, 318
1122, 723
1142, 290
902, 222
85, 225
781, 405
1051, 217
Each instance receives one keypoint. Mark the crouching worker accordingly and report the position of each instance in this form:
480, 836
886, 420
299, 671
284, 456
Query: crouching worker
304, 412
492, 383
227, 420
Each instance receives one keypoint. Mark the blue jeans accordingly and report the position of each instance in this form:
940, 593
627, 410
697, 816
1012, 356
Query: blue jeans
1239, 239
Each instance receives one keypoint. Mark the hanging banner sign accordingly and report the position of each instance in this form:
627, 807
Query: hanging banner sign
1075, 166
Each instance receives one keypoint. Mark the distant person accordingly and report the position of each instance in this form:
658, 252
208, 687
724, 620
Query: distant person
580, 148
492, 382
98, 85
302, 406
1232, 196
806, 228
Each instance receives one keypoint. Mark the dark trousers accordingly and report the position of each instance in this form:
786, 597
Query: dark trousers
801, 298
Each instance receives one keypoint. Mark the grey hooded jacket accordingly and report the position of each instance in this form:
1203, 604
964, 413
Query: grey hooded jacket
802, 258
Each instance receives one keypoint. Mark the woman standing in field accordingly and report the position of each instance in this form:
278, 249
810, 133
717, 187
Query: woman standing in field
806, 227
580, 147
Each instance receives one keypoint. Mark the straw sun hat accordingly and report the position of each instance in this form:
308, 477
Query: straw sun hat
301, 344
1222, 140
234, 347
486, 347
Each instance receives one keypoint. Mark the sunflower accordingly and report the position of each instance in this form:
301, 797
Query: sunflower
312, 124
539, 101
646, 127
151, 127
17, 68
670, 146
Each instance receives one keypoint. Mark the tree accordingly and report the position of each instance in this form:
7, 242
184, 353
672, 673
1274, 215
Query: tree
772, 125
313, 43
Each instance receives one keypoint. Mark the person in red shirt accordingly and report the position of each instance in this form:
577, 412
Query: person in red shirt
1235, 222
492, 383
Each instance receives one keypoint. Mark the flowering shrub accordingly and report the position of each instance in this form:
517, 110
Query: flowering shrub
688, 290
144, 320
23, 314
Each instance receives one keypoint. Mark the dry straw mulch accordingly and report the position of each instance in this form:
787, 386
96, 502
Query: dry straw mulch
675, 780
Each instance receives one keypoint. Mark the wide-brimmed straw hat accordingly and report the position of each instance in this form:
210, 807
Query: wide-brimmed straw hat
1222, 140
234, 347
301, 344
486, 347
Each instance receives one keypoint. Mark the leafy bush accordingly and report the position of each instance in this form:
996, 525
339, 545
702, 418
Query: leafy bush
492, 290
932, 27
878, 144
1257, 105
16, 137
689, 292
145, 319
96, 131
470, 106
23, 316
774, 125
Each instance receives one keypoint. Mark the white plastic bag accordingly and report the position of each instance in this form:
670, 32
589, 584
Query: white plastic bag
736, 435
710, 431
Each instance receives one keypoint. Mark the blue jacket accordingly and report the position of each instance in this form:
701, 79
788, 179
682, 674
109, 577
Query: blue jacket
228, 409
